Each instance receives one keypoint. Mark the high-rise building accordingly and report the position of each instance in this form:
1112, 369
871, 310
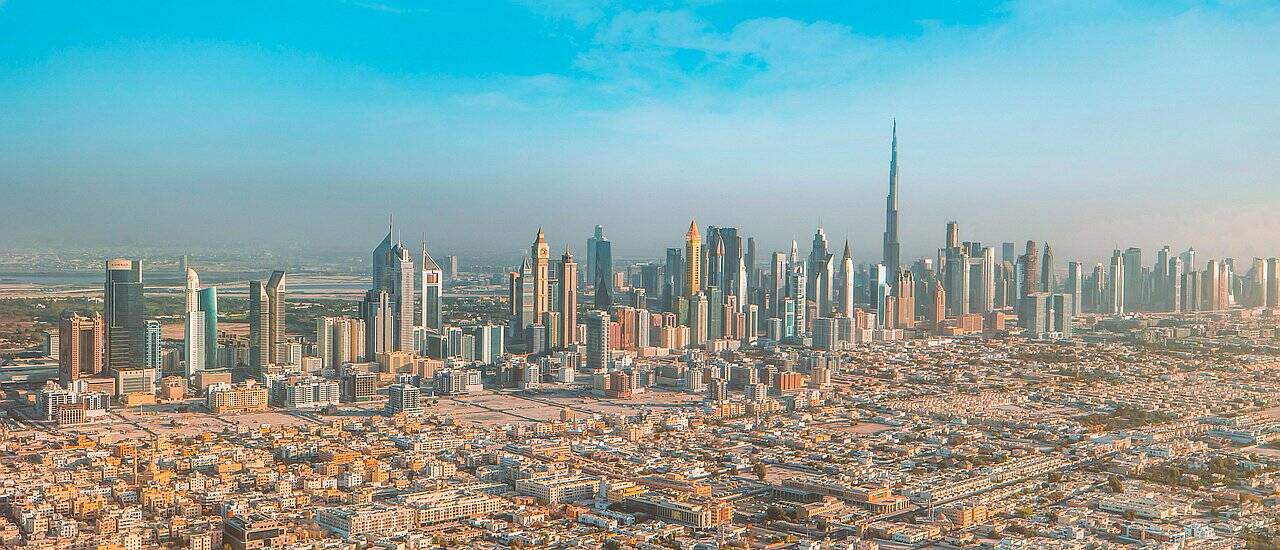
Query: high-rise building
123, 314
1075, 285
402, 296
699, 319
259, 326
80, 344
541, 254
601, 270
432, 292
275, 319
1134, 285
194, 340
1174, 276
673, 278
692, 261
905, 290
892, 248
1048, 276
953, 235
1031, 282
568, 299
151, 345
1008, 253
846, 281
1273, 282
378, 312
749, 259
590, 265
597, 339
1116, 284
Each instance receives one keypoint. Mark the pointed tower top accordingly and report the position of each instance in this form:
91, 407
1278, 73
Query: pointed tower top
542, 237
693, 233
719, 247
847, 252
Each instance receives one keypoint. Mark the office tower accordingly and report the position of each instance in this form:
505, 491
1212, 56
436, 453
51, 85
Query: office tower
905, 291
1096, 289
753, 277
982, 279
276, 326
794, 258
590, 266
1061, 314
151, 345
797, 284
1115, 301
1174, 276
880, 292
1033, 314
524, 309
715, 263
957, 280
953, 235
892, 248
378, 312
733, 265
1273, 282
1256, 295
699, 319
602, 269
692, 261
394, 274
259, 323
123, 311
1192, 296
1160, 280
819, 271
597, 340
1008, 253
541, 254
938, 309
568, 299
80, 344
778, 275
1216, 289
1075, 285
1048, 274
846, 281
451, 266
1031, 282
1134, 299
432, 292
673, 277
194, 340
487, 343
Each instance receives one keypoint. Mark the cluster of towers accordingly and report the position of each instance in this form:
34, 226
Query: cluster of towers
394, 317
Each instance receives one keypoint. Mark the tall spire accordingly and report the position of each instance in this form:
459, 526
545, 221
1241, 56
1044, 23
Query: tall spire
892, 248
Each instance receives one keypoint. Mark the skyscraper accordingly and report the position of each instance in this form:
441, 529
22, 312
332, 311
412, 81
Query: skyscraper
1075, 285
568, 299
541, 254
1048, 277
151, 345
403, 295
194, 338
892, 259
1116, 284
275, 319
432, 292
601, 270
123, 313
1031, 282
597, 340
259, 326
80, 341
1134, 285
905, 290
846, 281
590, 265
953, 235
692, 261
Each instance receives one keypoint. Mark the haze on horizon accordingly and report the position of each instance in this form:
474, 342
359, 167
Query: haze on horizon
1090, 125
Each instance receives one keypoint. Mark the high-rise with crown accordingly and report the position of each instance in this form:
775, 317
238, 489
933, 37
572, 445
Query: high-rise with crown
541, 254
892, 258
692, 261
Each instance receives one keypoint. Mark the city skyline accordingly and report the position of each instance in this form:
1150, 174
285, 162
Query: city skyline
607, 108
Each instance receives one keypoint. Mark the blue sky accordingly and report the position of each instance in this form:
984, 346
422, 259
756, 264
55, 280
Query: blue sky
1089, 124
